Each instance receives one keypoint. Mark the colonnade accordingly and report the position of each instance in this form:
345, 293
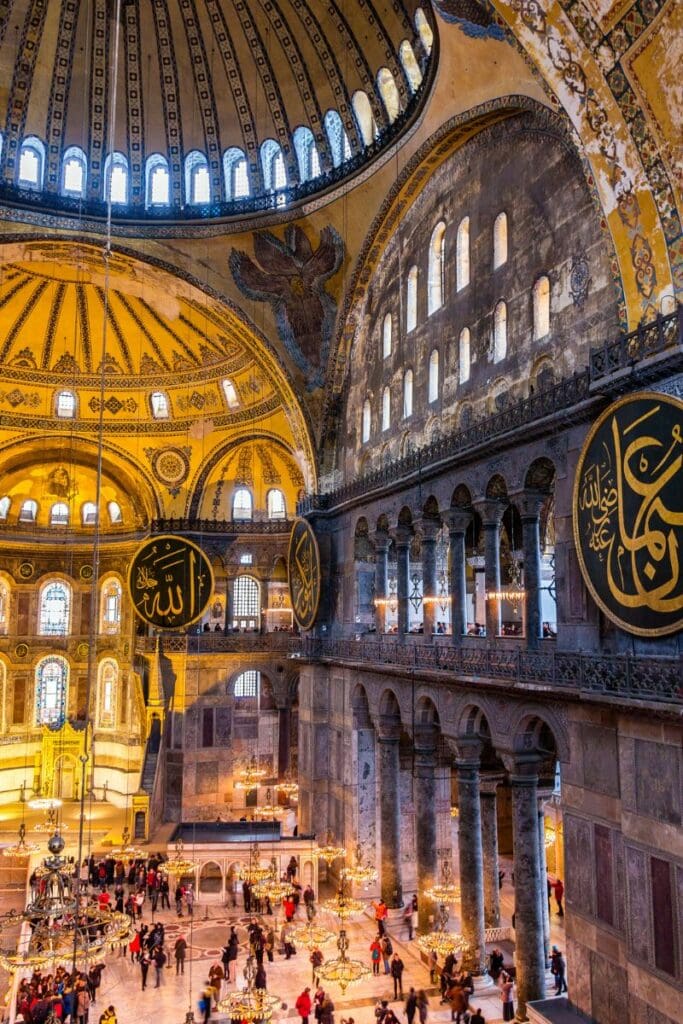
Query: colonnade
458, 520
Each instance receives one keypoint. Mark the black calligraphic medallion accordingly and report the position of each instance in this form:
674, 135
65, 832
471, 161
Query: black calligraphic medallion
303, 565
628, 513
170, 581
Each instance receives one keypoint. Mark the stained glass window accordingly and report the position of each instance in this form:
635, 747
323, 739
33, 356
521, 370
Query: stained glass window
55, 607
52, 676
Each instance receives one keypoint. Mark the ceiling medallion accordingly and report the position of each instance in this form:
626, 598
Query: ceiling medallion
26, 570
21, 650
170, 466
86, 572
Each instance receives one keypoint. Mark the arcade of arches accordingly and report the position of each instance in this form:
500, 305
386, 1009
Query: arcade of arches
382, 266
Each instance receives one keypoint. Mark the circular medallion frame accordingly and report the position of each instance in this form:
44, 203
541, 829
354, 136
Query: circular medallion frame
303, 573
627, 509
185, 567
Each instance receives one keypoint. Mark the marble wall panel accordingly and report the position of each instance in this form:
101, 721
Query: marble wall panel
207, 779
600, 759
638, 903
223, 726
658, 781
578, 853
609, 989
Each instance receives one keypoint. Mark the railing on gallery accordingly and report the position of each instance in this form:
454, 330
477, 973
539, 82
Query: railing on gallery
221, 526
657, 336
615, 675
224, 643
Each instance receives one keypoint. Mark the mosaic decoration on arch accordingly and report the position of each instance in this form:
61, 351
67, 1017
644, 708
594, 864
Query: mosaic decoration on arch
303, 564
170, 582
628, 513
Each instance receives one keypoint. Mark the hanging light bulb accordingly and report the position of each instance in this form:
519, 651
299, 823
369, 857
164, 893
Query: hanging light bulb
289, 786
445, 891
249, 776
311, 935
253, 872
440, 941
249, 1004
44, 803
20, 848
329, 851
178, 865
272, 888
128, 850
268, 810
361, 874
343, 971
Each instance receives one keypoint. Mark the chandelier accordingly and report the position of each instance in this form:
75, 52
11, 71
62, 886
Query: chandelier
50, 824
20, 848
445, 891
272, 888
311, 935
549, 836
268, 810
361, 874
342, 971
57, 926
178, 865
249, 1004
129, 850
455, 811
44, 803
289, 786
253, 872
343, 906
440, 941
329, 851
249, 776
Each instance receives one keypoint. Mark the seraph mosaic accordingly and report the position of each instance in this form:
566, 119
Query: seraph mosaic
291, 275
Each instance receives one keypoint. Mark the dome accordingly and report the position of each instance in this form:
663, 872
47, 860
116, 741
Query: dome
202, 110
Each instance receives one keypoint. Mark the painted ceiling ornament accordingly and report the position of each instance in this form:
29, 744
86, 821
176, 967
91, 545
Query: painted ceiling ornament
291, 276
579, 279
471, 16
60, 484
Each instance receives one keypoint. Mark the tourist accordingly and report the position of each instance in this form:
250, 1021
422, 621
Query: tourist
303, 1005
496, 961
309, 902
159, 964
108, 1016
189, 899
216, 977
292, 869
139, 900
230, 955
447, 975
94, 980
316, 958
82, 1003
375, 954
318, 1000
381, 914
387, 950
506, 995
559, 893
179, 952
269, 943
144, 962
327, 1011
411, 1006
260, 977
458, 1000
408, 919
477, 1018
205, 1001
396, 968
422, 1006
289, 907
558, 968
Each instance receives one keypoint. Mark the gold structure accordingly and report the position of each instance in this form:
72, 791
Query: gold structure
358, 872
311, 935
178, 865
329, 851
248, 777
249, 1004
343, 971
20, 848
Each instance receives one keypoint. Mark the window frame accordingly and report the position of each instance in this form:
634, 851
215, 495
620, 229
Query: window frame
233, 503
63, 626
59, 711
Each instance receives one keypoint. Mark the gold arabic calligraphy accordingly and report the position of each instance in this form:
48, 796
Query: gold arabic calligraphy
170, 582
304, 574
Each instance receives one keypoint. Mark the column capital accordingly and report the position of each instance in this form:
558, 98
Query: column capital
428, 527
388, 729
468, 751
457, 519
522, 768
381, 540
529, 503
425, 741
402, 536
489, 783
491, 510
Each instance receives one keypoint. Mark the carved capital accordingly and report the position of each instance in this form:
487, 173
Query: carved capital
468, 750
428, 527
457, 520
403, 536
381, 540
529, 503
489, 783
523, 769
388, 728
491, 511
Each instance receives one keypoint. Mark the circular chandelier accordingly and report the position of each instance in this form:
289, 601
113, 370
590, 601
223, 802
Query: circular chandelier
178, 864
329, 851
361, 874
58, 925
272, 888
440, 941
253, 872
289, 786
445, 891
249, 1004
249, 776
50, 824
343, 906
343, 971
44, 803
311, 935
268, 810
20, 848
128, 849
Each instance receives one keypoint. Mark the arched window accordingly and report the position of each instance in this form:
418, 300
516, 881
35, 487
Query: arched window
435, 288
157, 181
386, 336
197, 181
28, 511
116, 178
31, 163
500, 240
89, 513
275, 504
5, 503
362, 110
433, 388
406, 55
411, 300
52, 680
407, 394
59, 514
74, 172
340, 146
242, 504
158, 402
386, 409
365, 425
231, 396
462, 254
273, 166
108, 677
65, 405
236, 173
541, 307
464, 355
246, 603
424, 30
114, 510
388, 90
4, 608
247, 684
500, 332
306, 153
54, 608
110, 606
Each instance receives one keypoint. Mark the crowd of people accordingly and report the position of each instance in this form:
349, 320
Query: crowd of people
63, 996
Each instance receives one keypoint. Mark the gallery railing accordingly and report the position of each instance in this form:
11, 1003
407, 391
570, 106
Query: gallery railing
224, 643
219, 526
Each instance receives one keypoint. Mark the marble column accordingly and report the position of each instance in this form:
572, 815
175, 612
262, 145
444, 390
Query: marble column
491, 516
543, 795
366, 786
425, 819
489, 841
381, 539
429, 529
470, 856
402, 539
530, 504
388, 775
529, 952
458, 523
284, 728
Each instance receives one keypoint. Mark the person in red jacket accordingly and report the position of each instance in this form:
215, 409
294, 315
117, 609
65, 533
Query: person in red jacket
559, 893
303, 1005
